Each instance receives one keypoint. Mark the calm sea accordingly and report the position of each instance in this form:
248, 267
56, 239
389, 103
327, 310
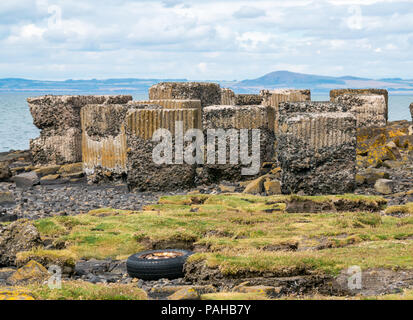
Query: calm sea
16, 123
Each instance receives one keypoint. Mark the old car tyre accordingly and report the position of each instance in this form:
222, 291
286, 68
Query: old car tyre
147, 266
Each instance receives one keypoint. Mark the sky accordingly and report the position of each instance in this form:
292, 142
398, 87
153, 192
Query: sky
200, 40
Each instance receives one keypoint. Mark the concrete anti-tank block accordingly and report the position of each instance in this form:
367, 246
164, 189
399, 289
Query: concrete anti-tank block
208, 93
237, 117
58, 117
317, 150
369, 109
338, 92
144, 173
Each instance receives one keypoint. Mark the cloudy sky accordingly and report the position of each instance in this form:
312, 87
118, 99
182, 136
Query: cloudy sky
198, 39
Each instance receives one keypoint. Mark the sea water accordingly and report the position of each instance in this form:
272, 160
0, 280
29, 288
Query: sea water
16, 122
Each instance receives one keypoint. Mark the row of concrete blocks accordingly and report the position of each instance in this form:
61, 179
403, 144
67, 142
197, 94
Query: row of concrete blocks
112, 135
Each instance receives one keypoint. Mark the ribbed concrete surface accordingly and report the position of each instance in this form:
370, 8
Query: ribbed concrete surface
171, 103
144, 122
321, 130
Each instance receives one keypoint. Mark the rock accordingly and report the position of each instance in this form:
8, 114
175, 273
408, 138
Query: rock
15, 294
31, 272
264, 290
20, 235
227, 189
411, 110
391, 164
360, 179
71, 168
384, 186
394, 150
372, 175
185, 294
26, 180
50, 177
272, 187
256, 186
5, 274
6, 198
48, 170
5, 172
166, 291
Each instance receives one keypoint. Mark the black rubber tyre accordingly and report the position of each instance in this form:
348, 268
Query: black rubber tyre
146, 269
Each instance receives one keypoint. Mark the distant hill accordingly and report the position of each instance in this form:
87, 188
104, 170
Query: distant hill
272, 80
317, 83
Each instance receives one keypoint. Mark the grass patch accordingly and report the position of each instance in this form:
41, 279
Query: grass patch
79, 290
240, 233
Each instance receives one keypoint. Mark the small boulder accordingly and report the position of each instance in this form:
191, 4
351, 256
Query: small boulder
384, 186
15, 294
256, 186
272, 187
26, 180
226, 189
6, 198
18, 236
185, 294
31, 272
264, 290
372, 175
46, 171
71, 168
5, 172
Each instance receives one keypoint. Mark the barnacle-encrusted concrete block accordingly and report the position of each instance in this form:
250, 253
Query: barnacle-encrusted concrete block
208, 93
170, 103
316, 150
370, 110
104, 140
227, 97
58, 117
338, 92
237, 117
143, 173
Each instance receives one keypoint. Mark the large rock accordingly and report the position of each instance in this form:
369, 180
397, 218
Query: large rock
384, 186
29, 273
6, 198
208, 93
316, 150
338, 92
143, 172
235, 118
370, 110
20, 235
5, 172
58, 117
26, 180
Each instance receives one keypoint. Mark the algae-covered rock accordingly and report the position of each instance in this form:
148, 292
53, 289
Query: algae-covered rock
31, 272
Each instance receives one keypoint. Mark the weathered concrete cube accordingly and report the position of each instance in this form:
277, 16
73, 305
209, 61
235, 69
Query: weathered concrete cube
63, 112
338, 92
317, 151
208, 93
369, 109
227, 97
274, 97
237, 117
104, 141
58, 117
57, 147
143, 173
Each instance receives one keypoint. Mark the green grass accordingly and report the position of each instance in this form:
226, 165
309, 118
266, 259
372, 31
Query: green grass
79, 290
241, 233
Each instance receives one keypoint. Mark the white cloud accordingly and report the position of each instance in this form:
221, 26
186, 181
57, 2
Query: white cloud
218, 39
